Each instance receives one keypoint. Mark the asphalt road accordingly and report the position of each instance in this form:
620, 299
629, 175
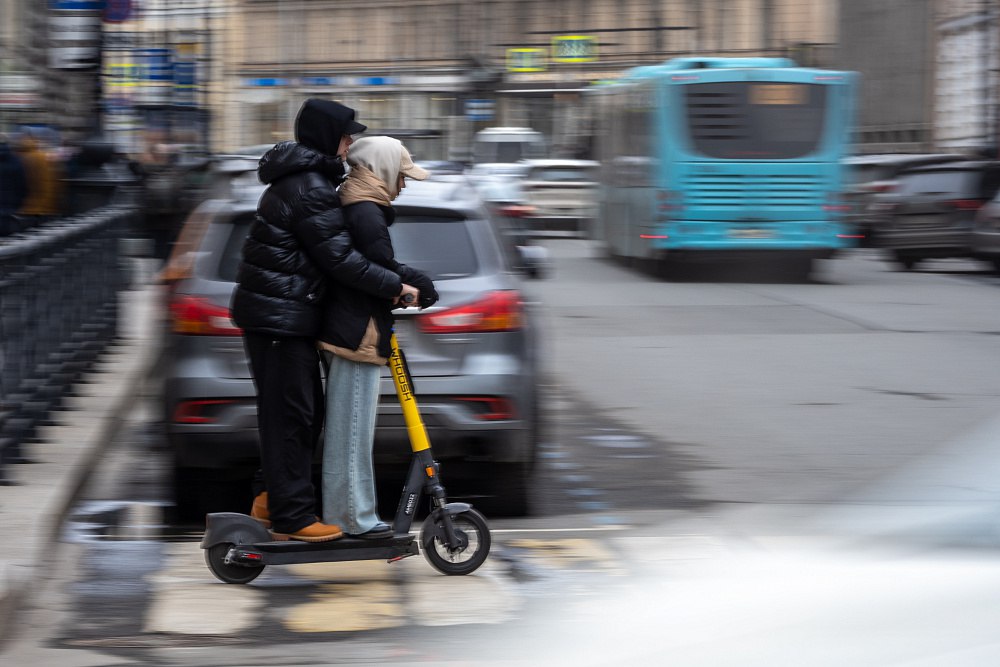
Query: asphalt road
780, 392
669, 405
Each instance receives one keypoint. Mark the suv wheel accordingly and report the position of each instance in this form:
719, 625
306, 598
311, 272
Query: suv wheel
908, 261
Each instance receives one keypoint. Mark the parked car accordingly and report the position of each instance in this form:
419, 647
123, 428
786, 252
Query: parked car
869, 175
505, 200
562, 196
985, 237
473, 356
507, 144
930, 211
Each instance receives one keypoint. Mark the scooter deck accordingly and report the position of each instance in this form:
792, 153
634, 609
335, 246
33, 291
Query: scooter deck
286, 552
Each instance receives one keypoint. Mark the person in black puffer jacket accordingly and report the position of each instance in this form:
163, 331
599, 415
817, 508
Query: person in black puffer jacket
356, 333
297, 246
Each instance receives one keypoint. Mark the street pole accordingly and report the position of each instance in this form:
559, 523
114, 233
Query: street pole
206, 115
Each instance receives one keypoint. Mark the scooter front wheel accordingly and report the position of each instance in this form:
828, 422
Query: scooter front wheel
468, 554
215, 558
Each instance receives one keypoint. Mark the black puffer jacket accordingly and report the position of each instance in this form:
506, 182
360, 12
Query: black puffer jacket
348, 309
297, 245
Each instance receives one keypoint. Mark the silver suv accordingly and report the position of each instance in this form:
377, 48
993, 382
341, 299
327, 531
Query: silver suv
473, 356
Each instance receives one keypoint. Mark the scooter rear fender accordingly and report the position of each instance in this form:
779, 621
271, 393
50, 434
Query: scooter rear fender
232, 528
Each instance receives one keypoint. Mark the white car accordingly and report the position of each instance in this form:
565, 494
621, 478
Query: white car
561, 195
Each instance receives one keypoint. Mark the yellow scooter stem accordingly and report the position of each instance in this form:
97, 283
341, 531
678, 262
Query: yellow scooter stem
404, 391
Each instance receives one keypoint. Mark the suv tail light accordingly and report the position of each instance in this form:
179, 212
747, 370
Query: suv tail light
495, 311
881, 186
199, 412
516, 211
489, 408
196, 316
967, 204
836, 203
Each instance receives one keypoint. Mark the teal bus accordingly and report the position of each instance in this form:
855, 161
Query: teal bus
723, 157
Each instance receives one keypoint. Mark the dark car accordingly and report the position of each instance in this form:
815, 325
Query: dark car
473, 356
985, 237
930, 212
871, 175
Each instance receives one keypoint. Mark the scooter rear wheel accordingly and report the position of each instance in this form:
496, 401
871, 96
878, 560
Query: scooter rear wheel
458, 559
215, 558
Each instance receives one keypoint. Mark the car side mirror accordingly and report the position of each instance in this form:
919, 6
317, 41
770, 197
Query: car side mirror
535, 260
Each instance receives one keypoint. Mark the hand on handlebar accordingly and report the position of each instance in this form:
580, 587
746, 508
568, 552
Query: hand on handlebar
407, 296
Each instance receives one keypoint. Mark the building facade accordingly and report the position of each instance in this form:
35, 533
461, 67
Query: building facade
446, 68
965, 79
231, 73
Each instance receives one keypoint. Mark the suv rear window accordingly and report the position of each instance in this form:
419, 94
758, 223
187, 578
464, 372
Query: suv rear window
971, 183
441, 248
232, 253
560, 174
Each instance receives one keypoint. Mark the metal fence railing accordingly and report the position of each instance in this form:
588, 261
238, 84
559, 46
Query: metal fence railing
59, 285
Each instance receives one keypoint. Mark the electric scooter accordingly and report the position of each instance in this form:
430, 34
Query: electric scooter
455, 538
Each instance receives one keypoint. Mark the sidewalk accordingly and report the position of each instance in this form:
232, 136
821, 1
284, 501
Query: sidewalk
33, 508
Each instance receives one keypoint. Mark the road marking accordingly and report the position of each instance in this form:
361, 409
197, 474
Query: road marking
366, 605
582, 529
187, 599
572, 554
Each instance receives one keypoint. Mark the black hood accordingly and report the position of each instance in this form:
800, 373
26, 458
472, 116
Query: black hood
289, 157
321, 123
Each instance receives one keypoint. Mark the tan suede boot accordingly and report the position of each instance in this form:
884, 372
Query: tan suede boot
259, 510
314, 532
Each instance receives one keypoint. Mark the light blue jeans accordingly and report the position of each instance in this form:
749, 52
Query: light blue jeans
348, 471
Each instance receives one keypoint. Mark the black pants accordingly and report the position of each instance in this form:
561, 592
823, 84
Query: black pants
290, 419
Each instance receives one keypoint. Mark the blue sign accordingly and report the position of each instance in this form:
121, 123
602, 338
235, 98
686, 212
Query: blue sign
77, 5
266, 82
184, 73
155, 64
117, 11
317, 81
479, 109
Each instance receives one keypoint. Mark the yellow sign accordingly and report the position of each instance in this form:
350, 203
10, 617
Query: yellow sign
526, 60
778, 93
574, 49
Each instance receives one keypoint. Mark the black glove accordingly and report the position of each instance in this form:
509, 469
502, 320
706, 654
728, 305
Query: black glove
428, 295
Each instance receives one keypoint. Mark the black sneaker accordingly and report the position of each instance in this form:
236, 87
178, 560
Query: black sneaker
380, 531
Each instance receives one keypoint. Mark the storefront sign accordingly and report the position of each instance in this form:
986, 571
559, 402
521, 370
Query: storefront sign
74, 29
574, 49
526, 60
479, 109
77, 5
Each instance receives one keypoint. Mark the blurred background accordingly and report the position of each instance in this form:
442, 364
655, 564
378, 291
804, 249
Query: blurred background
716, 351
213, 76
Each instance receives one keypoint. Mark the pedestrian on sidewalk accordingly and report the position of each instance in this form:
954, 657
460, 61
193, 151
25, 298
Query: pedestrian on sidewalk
297, 245
355, 339
43, 172
13, 188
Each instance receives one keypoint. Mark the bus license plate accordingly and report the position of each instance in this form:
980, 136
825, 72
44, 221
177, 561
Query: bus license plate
750, 233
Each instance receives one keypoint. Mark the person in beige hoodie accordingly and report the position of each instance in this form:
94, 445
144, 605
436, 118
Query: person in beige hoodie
355, 335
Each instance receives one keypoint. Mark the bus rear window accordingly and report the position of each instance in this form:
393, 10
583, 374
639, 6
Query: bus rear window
755, 120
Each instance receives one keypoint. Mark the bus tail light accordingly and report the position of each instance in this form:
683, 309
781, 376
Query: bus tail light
502, 310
